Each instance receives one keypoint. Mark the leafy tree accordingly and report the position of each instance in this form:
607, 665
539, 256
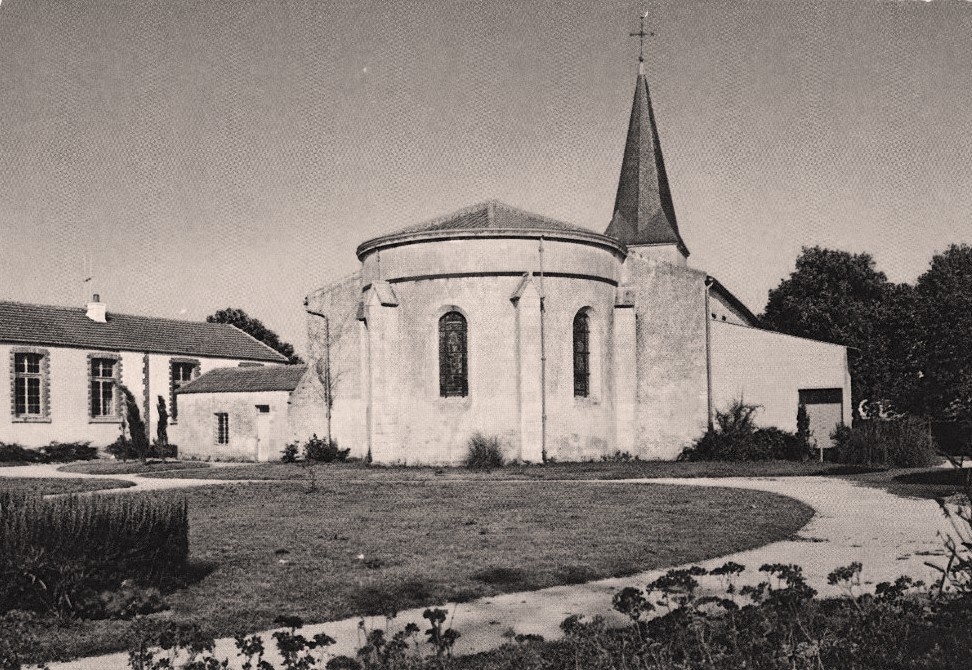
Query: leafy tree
944, 294
840, 297
246, 323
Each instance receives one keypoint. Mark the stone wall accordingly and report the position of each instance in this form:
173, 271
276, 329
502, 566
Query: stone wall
197, 425
671, 355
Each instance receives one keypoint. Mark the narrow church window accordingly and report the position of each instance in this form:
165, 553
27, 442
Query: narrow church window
222, 428
103, 384
582, 355
453, 365
28, 372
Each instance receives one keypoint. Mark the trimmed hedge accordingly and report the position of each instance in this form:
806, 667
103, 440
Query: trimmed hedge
55, 452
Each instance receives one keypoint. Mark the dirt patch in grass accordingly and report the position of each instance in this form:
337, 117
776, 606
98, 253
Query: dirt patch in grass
550, 471
344, 548
45, 486
132, 467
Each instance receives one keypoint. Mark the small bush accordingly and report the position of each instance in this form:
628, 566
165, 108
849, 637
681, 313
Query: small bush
318, 449
902, 443
619, 457
290, 452
735, 437
484, 453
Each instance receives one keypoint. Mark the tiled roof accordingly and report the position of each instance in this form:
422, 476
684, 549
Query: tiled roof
257, 378
24, 323
643, 209
491, 218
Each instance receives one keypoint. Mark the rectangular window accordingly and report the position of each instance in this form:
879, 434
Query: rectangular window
28, 377
180, 372
222, 428
103, 383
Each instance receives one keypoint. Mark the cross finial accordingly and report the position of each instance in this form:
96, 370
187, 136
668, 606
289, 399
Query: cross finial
641, 35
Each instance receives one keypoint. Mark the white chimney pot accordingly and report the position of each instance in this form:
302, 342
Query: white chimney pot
97, 310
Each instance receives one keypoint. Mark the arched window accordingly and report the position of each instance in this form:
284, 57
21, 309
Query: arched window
453, 367
582, 355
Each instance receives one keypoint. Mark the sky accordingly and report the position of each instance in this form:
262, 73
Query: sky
205, 154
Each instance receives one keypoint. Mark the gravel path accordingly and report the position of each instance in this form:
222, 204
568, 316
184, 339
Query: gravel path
890, 535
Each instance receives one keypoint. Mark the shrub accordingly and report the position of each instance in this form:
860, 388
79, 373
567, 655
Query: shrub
290, 452
318, 449
65, 452
735, 437
55, 553
901, 442
136, 427
484, 452
14, 453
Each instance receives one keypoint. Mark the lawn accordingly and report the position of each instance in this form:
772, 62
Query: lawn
45, 486
918, 483
131, 467
334, 550
549, 471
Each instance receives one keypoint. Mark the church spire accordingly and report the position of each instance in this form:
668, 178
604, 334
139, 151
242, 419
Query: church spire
643, 210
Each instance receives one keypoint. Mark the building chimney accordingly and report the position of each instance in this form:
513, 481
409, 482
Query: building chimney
97, 310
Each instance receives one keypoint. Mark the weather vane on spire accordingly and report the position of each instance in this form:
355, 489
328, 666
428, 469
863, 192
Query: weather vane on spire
641, 35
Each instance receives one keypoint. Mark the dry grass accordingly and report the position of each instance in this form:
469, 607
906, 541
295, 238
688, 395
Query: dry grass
51, 485
131, 467
272, 549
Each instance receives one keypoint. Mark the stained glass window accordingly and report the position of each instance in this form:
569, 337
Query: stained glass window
582, 355
453, 366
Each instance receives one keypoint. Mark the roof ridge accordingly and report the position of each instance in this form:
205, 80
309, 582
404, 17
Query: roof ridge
112, 313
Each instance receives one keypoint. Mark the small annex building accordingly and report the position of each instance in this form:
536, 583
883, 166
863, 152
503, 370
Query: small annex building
66, 365
562, 342
240, 413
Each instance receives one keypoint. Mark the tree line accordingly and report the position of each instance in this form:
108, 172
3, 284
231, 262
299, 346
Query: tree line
912, 343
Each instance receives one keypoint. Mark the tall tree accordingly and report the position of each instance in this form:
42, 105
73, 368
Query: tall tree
944, 294
246, 323
841, 297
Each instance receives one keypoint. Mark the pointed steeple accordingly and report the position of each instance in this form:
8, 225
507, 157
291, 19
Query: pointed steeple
643, 210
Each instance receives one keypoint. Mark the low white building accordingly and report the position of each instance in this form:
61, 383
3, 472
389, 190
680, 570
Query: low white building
66, 366
238, 413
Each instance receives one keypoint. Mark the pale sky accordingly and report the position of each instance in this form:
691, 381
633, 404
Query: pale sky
235, 152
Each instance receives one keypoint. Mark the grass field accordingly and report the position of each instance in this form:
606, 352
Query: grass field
45, 486
550, 471
340, 549
131, 467
918, 483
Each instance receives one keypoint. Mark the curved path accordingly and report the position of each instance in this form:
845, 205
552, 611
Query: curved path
890, 535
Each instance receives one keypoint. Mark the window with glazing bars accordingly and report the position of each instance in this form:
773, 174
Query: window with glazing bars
180, 372
28, 376
222, 428
582, 355
453, 363
103, 387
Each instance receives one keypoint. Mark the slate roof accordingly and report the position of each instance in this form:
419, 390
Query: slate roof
243, 379
490, 218
643, 209
23, 323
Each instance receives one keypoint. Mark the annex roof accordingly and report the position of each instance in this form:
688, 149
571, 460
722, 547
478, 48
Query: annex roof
244, 379
23, 323
489, 219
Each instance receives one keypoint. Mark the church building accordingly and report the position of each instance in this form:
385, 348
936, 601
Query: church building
562, 342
